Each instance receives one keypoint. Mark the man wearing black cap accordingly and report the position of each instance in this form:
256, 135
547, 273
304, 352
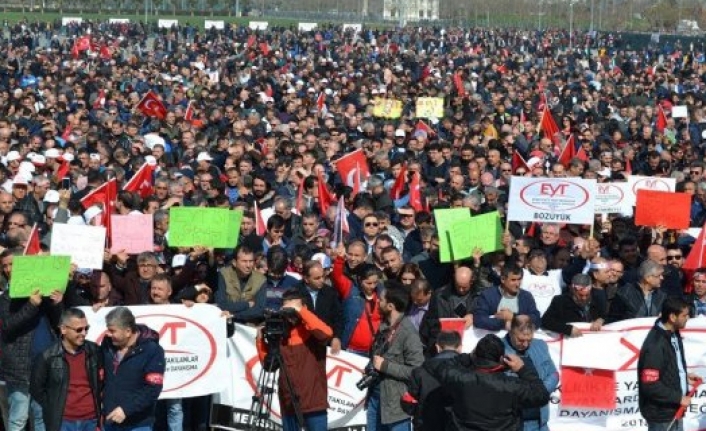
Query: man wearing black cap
485, 397
581, 303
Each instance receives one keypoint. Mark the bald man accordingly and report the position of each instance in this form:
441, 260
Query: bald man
674, 279
455, 300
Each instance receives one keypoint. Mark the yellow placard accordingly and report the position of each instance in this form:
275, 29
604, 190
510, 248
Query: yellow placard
387, 108
430, 107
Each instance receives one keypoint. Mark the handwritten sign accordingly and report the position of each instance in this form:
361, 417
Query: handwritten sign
387, 108
657, 208
587, 388
84, 244
43, 273
430, 107
208, 227
133, 233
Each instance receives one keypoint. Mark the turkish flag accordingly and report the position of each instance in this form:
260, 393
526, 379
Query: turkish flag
189, 113
661, 122
105, 196
568, 153
353, 169
265, 48
141, 182
151, 106
424, 127
100, 100
695, 259
260, 227
83, 43
397, 188
458, 82
325, 197
415, 195
63, 169
33, 245
518, 162
548, 125
105, 53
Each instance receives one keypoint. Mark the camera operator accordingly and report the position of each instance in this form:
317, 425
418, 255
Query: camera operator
303, 350
396, 351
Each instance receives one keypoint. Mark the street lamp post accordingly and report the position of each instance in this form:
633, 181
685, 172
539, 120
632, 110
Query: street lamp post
571, 25
592, 6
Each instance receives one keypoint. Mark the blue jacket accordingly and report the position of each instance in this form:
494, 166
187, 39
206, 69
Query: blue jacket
353, 311
134, 384
538, 352
487, 306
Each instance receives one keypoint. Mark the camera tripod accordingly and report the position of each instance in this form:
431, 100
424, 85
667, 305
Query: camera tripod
261, 408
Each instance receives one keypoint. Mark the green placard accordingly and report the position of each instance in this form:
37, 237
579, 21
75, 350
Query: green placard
485, 232
207, 227
46, 273
452, 226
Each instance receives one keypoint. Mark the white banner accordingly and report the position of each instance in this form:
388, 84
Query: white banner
194, 342
636, 183
66, 20
613, 198
258, 25
355, 27
307, 26
85, 244
547, 200
119, 20
616, 347
167, 23
217, 24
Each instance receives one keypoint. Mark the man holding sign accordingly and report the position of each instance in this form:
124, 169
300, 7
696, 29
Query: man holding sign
27, 330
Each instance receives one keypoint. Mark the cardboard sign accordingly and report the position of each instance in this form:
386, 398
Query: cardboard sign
636, 183
552, 200
656, 208
680, 111
455, 324
43, 273
387, 108
452, 225
430, 107
133, 233
207, 227
85, 244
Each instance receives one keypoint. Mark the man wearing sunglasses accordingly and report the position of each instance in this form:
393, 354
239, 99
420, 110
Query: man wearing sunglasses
65, 377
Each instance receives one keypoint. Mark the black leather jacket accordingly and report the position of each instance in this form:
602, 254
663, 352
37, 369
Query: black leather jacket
50, 381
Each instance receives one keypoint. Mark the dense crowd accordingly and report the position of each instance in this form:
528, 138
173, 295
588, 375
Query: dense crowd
256, 120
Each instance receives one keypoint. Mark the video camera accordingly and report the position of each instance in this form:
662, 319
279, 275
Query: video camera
277, 326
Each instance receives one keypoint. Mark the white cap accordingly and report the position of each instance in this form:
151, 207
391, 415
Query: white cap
91, 212
204, 156
7, 186
605, 172
20, 180
533, 162
52, 153
51, 197
323, 259
68, 157
400, 133
39, 159
13, 155
152, 139
178, 260
26, 168
95, 156
151, 160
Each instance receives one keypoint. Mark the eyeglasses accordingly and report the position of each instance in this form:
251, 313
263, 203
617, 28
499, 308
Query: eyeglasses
506, 170
80, 329
371, 224
579, 287
674, 257
521, 172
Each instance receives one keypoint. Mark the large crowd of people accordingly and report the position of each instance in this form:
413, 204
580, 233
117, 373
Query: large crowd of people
255, 120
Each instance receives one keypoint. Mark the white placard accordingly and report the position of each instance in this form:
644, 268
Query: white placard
119, 20
85, 244
194, 343
612, 198
573, 353
66, 20
636, 183
680, 111
213, 76
217, 24
307, 26
356, 27
167, 23
258, 25
552, 200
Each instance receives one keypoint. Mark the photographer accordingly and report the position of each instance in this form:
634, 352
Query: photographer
396, 351
303, 348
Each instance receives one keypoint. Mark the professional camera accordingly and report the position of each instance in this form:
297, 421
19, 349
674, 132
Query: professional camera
277, 326
371, 377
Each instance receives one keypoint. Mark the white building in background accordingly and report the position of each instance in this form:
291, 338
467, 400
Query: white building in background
411, 10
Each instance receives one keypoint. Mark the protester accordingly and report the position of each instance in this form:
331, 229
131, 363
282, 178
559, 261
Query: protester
67, 377
664, 379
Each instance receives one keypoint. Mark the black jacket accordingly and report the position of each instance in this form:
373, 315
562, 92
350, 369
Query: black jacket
629, 303
563, 310
427, 401
485, 398
50, 381
659, 387
328, 307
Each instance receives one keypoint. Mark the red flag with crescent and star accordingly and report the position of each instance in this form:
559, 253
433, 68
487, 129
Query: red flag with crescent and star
141, 182
353, 169
151, 106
